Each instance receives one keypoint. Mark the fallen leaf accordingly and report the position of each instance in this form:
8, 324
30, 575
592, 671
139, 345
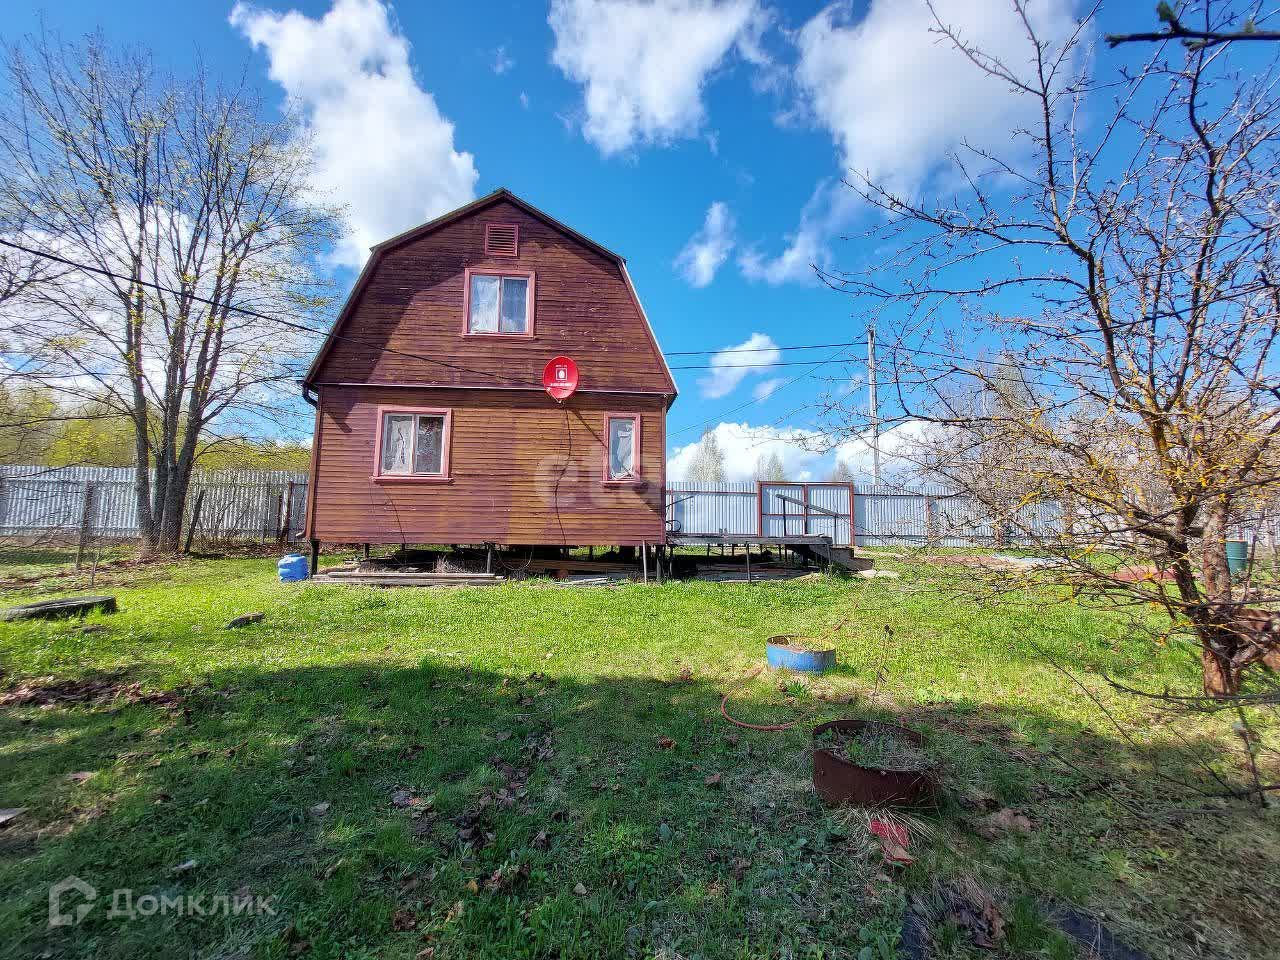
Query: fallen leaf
666, 743
893, 841
472, 886
455, 911
403, 920
714, 780
971, 908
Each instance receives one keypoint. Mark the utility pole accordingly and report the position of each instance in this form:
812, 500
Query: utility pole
875, 407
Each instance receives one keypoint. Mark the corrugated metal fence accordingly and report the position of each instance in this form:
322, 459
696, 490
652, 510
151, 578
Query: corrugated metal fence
927, 515
235, 505
261, 505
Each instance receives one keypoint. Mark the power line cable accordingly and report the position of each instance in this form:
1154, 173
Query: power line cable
802, 346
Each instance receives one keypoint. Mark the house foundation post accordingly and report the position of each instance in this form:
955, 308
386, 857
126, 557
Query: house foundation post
315, 555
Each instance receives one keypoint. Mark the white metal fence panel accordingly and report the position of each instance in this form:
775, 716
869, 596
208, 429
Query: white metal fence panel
695, 509
884, 515
831, 498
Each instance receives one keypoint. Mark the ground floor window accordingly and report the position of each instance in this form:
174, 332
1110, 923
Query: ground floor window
622, 447
413, 443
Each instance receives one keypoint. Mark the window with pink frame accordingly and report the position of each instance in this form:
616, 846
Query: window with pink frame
413, 444
622, 448
500, 303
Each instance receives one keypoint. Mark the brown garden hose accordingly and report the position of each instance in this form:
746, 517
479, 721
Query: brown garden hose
767, 727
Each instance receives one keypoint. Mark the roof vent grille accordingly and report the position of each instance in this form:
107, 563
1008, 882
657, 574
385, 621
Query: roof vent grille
501, 239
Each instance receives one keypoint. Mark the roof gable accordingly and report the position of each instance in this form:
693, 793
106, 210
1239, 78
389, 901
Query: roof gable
501, 196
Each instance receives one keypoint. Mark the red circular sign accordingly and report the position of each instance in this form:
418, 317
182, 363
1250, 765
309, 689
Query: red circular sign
560, 377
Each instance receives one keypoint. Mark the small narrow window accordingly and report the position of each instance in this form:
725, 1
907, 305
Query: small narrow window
499, 304
501, 239
414, 444
622, 458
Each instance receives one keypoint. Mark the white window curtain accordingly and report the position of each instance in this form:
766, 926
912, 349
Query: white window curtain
484, 304
397, 443
430, 450
622, 448
498, 304
515, 295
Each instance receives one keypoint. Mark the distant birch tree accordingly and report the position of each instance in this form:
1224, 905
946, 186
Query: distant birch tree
708, 461
770, 469
191, 206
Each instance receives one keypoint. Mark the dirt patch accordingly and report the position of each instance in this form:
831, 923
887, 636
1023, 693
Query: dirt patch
97, 691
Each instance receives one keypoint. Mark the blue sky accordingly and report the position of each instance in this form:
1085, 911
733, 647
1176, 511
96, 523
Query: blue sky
708, 128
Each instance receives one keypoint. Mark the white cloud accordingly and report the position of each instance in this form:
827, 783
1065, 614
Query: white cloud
896, 99
766, 388
709, 248
731, 365
643, 65
899, 450
383, 148
805, 454
831, 205
524, 100
501, 62
743, 445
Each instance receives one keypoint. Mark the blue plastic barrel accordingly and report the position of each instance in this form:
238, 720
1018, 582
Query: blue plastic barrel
1237, 556
784, 653
293, 568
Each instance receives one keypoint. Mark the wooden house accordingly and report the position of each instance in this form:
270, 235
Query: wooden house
432, 424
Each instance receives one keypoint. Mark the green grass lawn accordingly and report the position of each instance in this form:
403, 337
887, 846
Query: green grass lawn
538, 771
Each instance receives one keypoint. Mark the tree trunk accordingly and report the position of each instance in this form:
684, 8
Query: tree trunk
1221, 679
175, 508
1218, 637
1213, 552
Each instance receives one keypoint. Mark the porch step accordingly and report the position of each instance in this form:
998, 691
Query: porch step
840, 556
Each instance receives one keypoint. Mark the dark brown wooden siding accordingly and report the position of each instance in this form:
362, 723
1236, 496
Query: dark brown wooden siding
507, 450
412, 301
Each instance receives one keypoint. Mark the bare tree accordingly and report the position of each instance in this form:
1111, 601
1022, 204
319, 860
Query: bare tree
1138, 388
195, 238
1234, 29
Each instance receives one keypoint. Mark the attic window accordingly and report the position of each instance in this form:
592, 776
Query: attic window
501, 239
